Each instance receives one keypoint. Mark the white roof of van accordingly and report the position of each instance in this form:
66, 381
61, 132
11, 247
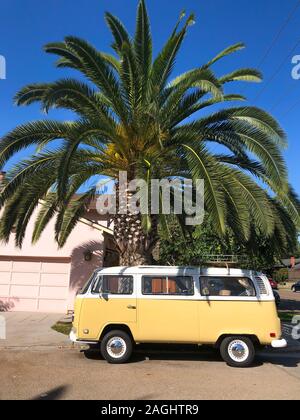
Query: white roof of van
180, 270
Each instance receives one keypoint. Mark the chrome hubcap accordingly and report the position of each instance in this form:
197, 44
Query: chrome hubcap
116, 347
238, 351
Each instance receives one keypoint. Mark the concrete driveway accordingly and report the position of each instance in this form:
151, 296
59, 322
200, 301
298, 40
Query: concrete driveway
25, 329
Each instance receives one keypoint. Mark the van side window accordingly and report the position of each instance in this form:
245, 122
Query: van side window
168, 285
227, 286
115, 285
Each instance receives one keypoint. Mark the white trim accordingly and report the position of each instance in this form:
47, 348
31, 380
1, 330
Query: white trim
95, 225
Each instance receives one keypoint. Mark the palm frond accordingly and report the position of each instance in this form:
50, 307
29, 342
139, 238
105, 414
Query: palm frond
227, 51
71, 216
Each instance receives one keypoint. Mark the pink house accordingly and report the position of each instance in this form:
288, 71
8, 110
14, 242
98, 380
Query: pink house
44, 278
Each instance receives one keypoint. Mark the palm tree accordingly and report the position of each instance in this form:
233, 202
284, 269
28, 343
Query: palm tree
131, 116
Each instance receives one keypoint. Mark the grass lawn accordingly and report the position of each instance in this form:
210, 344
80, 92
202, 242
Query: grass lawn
287, 316
62, 328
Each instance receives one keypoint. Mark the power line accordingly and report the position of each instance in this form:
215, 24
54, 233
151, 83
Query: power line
277, 36
291, 108
278, 70
282, 97
273, 43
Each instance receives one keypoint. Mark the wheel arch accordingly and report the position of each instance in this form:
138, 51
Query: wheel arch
120, 327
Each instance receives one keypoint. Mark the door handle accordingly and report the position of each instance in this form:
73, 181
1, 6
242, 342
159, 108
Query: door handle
131, 307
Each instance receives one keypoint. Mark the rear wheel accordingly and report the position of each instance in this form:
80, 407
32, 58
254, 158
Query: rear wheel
237, 351
116, 347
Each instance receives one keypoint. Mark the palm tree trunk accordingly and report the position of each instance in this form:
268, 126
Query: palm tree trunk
134, 244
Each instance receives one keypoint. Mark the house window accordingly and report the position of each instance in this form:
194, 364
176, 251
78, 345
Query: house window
227, 286
167, 285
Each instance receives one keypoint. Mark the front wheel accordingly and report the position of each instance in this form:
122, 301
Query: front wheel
116, 347
237, 351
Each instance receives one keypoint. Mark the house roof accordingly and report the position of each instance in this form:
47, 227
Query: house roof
96, 225
286, 262
91, 223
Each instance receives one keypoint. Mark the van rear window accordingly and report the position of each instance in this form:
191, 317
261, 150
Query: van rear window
227, 286
168, 285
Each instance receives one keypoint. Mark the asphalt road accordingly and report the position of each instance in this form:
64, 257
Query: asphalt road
73, 374
289, 300
30, 370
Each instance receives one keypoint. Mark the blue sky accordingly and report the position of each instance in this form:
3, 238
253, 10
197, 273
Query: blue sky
26, 25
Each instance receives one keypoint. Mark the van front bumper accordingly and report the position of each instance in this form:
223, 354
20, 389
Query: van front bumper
74, 339
279, 344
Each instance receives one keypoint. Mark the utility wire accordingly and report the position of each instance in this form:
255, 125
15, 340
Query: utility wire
268, 51
278, 35
291, 108
278, 70
282, 97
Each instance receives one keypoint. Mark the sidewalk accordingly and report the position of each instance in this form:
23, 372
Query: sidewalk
27, 330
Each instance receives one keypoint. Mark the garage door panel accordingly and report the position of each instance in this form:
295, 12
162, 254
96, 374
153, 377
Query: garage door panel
51, 305
4, 277
5, 266
27, 267
34, 285
21, 304
54, 279
53, 292
25, 278
4, 290
58, 268
24, 291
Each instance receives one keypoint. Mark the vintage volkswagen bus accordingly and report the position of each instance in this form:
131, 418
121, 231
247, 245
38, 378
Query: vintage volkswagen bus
231, 309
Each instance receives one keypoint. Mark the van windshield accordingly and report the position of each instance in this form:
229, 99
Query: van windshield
86, 287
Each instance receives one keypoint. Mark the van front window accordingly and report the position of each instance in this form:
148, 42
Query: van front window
115, 285
86, 287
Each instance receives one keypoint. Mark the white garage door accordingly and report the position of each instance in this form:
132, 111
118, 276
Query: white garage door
34, 285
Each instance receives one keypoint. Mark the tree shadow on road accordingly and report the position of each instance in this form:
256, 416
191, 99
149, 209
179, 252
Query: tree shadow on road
284, 359
289, 305
53, 394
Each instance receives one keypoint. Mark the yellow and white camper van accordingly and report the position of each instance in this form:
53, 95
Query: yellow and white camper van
231, 309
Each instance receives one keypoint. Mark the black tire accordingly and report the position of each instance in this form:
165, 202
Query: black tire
121, 342
226, 350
